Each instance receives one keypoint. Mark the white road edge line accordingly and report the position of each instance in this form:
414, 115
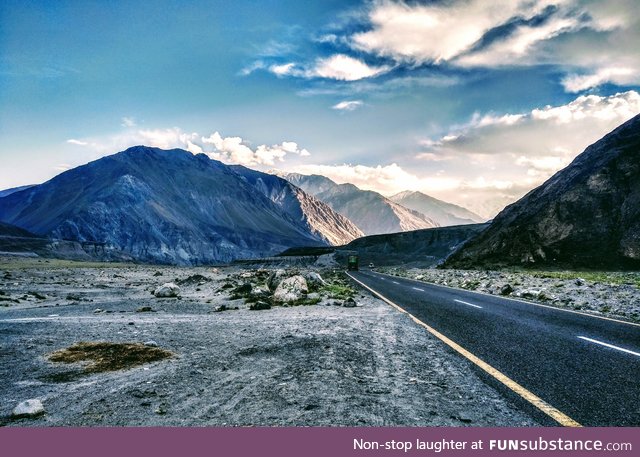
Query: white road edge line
618, 348
635, 324
467, 303
417, 288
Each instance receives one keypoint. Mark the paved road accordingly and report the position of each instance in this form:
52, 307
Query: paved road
586, 367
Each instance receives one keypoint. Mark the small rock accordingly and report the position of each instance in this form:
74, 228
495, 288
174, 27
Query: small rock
260, 293
506, 289
274, 279
157, 273
349, 303
145, 309
219, 309
167, 290
151, 343
28, 408
243, 289
314, 280
74, 297
580, 282
38, 295
98, 311
259, 305
246, 274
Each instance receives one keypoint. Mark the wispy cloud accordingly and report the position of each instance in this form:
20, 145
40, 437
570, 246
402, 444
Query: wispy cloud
77, 142
338, 67
128, 122
348, 105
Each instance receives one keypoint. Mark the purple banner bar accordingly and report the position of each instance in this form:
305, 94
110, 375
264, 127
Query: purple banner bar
317, 442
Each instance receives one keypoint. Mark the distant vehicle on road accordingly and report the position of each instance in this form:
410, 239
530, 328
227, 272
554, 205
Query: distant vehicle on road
352, 263
371, 265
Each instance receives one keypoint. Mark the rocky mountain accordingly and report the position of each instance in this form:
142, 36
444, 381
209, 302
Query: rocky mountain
586, 215
316, 215
5, 192
441, 212
370, 211
168, 207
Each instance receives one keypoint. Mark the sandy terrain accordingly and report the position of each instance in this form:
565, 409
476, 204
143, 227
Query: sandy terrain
302, 365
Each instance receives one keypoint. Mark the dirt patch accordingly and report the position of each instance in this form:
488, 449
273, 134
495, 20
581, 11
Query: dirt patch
103, 356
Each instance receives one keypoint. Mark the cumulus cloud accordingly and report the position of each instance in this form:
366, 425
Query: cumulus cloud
348, 105
232, 150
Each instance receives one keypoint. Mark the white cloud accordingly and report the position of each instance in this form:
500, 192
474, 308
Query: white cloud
77, 142
594, 41
525, 149
345, 68
339, 67
348, 105
232, 150
282, 70
128, 122
437, 32
387, 179
578, 83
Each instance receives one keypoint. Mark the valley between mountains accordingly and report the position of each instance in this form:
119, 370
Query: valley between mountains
159, 287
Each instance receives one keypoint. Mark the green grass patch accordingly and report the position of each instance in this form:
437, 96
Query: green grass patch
338, 291
604, 277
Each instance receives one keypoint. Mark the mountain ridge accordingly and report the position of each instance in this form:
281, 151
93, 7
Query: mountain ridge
165, 206
585, 215
370, 211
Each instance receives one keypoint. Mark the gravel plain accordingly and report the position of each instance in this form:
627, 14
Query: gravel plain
317, 365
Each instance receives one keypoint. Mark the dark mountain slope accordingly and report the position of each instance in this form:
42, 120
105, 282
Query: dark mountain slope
586, 215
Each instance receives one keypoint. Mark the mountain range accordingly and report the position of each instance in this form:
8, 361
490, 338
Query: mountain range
170, 206
370, 211
443, 213
586, 215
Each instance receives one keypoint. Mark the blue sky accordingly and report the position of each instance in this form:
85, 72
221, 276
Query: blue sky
472, 101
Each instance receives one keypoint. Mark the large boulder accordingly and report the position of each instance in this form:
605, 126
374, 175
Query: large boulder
291, 289
168, 290
274, 279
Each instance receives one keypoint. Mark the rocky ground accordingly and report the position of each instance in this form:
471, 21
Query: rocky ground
615, 294
221, 347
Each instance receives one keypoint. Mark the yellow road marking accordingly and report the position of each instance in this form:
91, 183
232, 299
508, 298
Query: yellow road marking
529, 396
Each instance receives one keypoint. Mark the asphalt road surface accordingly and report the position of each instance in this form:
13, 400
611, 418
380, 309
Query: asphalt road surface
586, 367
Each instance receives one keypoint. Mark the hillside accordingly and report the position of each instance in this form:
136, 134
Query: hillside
586, 215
